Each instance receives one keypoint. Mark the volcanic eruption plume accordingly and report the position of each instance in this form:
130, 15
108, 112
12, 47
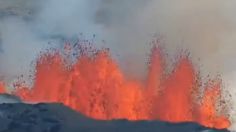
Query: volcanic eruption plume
117, 83
91, 82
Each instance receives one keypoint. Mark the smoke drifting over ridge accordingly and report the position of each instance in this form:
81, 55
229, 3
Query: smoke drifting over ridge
206, 28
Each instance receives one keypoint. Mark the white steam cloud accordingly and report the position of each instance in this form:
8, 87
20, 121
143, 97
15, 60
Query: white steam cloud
207, 28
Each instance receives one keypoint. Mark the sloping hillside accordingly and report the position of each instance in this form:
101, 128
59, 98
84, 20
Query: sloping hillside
19, 117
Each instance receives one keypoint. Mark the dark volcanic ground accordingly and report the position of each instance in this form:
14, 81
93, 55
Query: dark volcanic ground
19, 117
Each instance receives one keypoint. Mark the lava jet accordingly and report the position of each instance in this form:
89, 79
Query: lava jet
94, 86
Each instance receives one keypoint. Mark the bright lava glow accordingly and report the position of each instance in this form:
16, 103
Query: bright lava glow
95, 86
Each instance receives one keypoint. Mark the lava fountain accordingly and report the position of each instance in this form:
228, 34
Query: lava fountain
92, 83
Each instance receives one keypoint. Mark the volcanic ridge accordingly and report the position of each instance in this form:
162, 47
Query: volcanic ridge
55, 117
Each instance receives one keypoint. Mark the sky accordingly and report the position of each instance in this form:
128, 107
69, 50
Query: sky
205, 28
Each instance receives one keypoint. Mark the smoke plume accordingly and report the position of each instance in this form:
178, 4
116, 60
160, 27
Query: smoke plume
206, 28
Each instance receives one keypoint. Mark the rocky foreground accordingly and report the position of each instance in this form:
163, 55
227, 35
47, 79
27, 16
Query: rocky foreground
20, 117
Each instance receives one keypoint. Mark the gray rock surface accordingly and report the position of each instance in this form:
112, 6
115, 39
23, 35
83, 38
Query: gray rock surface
19, 117
7, 98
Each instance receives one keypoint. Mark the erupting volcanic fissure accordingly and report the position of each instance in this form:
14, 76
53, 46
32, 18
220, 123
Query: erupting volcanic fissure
91, 82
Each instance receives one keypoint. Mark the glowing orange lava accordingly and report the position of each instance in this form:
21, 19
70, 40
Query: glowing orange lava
95, 86
2, 88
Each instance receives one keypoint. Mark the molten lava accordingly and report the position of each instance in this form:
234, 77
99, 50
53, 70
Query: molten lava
95, 86
2, 88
